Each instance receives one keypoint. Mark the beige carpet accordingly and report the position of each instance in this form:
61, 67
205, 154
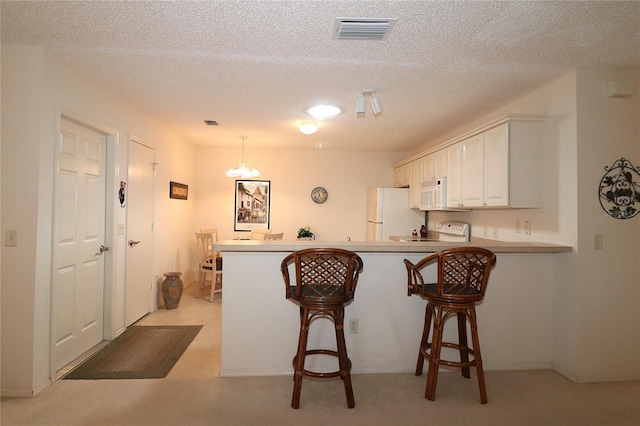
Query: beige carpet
540, 397
192, 394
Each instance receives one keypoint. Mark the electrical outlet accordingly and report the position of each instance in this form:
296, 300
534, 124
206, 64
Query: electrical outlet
10, 238
495, 232
518, 226
485, 232
527, 227
353, 326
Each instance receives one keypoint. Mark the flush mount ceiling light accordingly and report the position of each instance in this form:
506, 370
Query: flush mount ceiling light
362, 103
324, 111
241, 169
308, 127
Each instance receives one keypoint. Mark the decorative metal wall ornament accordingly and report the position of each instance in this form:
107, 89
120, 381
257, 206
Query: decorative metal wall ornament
620, 190
121, 193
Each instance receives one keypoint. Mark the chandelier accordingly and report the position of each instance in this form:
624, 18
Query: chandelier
242, 169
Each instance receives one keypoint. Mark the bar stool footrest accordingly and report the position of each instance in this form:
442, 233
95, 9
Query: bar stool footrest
325, 375
459, 364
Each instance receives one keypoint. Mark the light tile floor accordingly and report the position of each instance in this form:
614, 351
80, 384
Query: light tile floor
203, 356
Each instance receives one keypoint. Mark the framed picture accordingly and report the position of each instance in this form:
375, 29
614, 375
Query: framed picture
178, 190
252, 205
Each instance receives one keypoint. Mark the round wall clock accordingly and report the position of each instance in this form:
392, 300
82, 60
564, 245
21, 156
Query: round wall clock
319, 195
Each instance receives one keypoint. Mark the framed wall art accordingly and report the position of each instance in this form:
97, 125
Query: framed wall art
179, 191
252, 205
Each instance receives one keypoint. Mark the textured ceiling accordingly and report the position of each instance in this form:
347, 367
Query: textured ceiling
256, 66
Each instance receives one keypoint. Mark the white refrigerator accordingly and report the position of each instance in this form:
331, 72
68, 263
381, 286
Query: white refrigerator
388, 214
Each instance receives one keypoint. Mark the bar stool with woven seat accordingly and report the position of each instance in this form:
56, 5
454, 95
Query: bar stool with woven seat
325, 281
462, 276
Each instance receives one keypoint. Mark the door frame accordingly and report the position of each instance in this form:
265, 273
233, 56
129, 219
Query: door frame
110, 237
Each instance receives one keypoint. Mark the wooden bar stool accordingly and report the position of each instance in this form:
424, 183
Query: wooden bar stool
325, 281
462, 276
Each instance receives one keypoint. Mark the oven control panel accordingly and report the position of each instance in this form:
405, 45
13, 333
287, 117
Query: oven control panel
452, 228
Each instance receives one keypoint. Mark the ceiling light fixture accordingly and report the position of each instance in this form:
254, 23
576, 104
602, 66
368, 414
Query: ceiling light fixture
241, 169
376, 105
324, 111
362, 103
362, 106
308, 127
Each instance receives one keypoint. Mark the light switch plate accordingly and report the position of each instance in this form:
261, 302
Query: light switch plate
598, 241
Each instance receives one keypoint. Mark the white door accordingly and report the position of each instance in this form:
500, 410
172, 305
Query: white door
139, 204
79, 233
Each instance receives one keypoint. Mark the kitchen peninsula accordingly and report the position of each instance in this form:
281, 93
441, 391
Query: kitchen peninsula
260, 327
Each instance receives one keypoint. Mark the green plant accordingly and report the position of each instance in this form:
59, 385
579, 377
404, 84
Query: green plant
305, 232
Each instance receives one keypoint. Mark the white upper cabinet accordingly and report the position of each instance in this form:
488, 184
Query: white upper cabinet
435, 165
454, 175
472, 176
497, 166
416, 171
401, 176
439, 163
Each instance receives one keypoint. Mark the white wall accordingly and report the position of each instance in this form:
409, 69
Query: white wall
608, 291
347, 175
36, 88
596, 292
597, 337
389, 322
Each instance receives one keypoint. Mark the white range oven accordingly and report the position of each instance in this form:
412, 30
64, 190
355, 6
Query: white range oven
449, 231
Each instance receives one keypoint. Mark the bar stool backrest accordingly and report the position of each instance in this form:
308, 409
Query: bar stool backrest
462, 274
322, 275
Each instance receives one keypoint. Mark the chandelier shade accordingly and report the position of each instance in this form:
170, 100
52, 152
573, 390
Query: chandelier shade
242, 169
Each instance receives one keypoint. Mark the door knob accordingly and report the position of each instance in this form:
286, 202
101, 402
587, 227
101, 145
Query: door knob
102, 250
133, 243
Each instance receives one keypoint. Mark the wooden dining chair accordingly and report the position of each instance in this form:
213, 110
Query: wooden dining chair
208, 264
214, 239
258, 234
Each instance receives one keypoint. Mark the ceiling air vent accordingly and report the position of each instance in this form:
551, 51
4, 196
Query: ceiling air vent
211, 122
363, 28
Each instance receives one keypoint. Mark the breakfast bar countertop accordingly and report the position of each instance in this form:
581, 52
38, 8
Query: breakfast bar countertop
391, 246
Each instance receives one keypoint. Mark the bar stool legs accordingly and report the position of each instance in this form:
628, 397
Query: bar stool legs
344, 362
298, 360
462, 276
431, 351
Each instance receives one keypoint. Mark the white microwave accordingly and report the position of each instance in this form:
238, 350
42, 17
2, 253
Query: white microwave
433, 194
